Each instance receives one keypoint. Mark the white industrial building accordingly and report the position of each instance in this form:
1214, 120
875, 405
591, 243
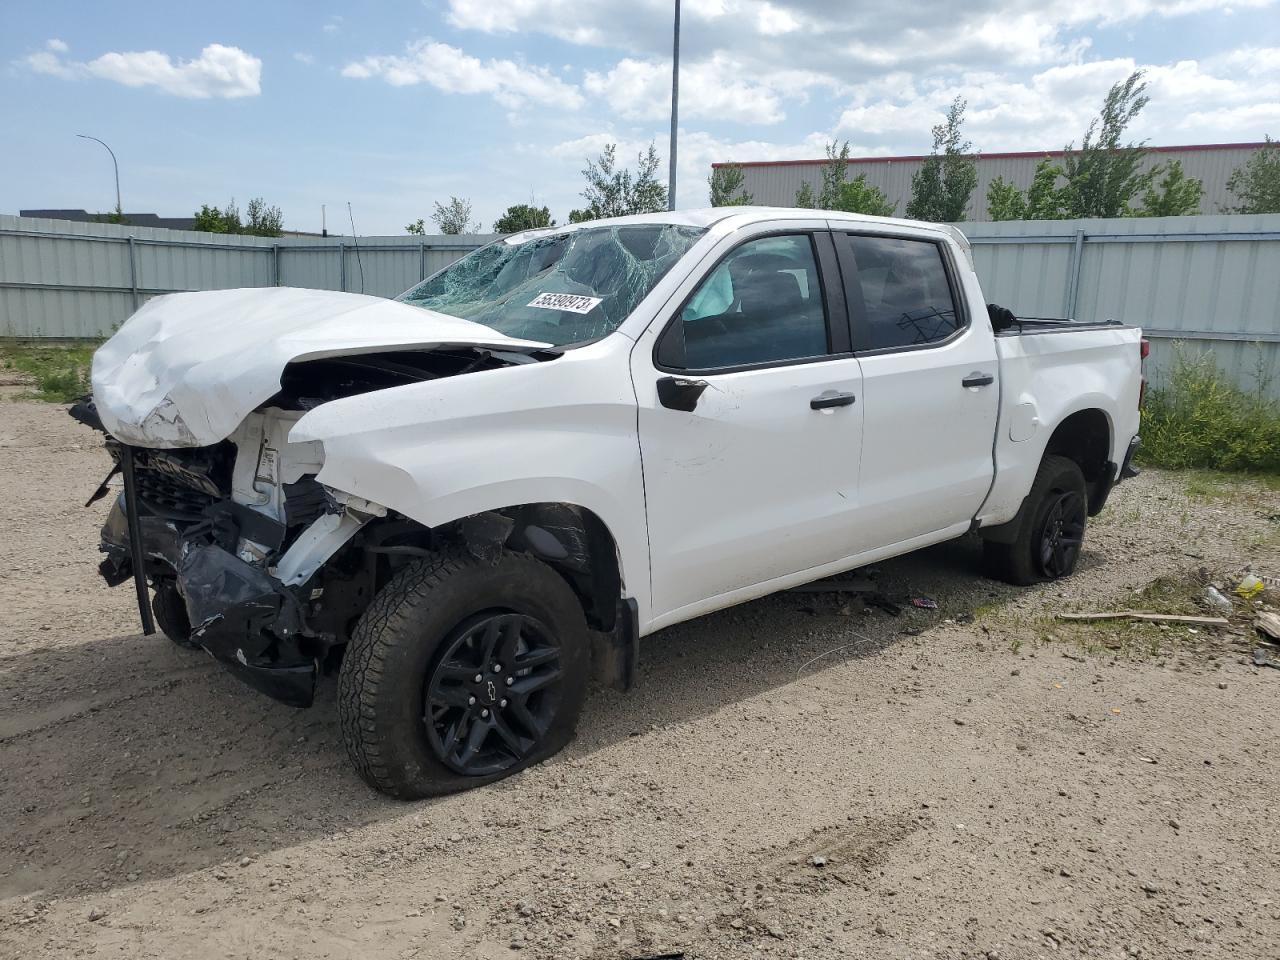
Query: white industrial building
775, 182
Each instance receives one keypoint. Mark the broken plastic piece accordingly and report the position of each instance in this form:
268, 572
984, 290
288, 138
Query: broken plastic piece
1250, 587
924, 603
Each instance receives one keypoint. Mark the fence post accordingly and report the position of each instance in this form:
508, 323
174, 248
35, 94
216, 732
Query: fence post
133, 273
422, 260
342, 266
275, 264
1073, 275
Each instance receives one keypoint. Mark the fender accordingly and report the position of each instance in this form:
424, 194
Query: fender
445, 449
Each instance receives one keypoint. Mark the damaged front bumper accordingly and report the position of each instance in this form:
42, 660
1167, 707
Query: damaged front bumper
244, 617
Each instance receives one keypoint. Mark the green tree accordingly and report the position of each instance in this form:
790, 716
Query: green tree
614, 191
523, 216
1175, 195
941, 188
1256, 185
262, 220
454, 217
858, 196
727, 186
212, 220
1005, 201
1103, 176
1043, 200
834, 174
806, 199
418, 228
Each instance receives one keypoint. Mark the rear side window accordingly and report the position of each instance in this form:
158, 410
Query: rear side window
762, 303
905, 297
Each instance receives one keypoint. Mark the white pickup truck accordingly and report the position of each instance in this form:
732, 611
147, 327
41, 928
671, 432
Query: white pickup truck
467, 498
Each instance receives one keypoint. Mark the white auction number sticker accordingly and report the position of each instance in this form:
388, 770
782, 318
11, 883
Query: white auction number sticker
572, 302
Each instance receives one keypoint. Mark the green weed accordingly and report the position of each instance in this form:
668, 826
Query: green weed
1196, 417
60, 373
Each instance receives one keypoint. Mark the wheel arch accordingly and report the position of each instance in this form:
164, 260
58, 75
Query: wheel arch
570, 538
1085, 437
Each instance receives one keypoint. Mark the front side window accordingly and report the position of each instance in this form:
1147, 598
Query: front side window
906, 299
567, 288
762, 303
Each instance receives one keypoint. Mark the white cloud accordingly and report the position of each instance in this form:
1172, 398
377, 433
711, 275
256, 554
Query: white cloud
716, 88
56, 45
847, 41
333, 24
306, 58
1203, 101
453, 71
219, 71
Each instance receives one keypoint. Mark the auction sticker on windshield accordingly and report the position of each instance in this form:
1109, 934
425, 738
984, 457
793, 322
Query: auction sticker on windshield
572, 302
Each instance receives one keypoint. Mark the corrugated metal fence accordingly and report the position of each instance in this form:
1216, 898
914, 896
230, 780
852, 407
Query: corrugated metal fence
64, 279
1213, 281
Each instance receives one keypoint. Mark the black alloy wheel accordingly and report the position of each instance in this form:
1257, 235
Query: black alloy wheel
493, 693
1061, 534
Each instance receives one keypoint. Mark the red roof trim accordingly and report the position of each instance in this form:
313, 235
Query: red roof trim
985, 156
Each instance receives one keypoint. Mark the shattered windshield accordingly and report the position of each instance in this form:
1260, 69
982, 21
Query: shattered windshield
560, 289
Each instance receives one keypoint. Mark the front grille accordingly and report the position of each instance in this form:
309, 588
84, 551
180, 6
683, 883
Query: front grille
167, 497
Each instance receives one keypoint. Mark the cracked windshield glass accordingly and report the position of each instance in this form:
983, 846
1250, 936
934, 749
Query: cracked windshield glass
563, 289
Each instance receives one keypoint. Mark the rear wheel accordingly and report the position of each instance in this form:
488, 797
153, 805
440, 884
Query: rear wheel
1050, 528
462, 672
170, 611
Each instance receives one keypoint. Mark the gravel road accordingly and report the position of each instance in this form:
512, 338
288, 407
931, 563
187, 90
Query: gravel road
793, 778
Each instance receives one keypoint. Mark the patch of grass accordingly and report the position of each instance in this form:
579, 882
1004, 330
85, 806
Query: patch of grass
1210, 485
1196, 417
1141, 640
60, 373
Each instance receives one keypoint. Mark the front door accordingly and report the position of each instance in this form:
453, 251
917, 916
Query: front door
750, 421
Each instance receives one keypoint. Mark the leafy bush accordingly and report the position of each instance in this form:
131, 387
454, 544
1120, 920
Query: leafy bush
61, 373
1194, 416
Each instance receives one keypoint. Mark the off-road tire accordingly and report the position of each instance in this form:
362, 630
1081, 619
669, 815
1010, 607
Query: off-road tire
398, 641
170, 611
1019, 562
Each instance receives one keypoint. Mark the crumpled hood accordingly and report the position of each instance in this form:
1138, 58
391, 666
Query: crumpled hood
187, 368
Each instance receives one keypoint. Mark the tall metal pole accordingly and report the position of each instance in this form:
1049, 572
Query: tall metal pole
119, 208
675, 109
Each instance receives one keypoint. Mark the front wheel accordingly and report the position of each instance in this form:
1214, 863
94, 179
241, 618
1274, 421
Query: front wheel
1050, 528
462, 672
170, 611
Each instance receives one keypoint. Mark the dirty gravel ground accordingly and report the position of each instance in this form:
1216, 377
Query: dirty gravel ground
975, 790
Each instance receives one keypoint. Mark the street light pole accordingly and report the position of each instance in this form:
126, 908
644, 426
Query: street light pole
675, 109
119, 208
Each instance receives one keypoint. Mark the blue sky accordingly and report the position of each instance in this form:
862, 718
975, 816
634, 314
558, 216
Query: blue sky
395, 105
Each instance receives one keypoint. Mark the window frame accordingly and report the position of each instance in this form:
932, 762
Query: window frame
858, 327
833, 298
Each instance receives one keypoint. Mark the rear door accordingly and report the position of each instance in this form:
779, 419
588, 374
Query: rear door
750, 419
930, 390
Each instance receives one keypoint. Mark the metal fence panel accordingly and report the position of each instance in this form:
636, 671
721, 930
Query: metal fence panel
1213, 281
65, 279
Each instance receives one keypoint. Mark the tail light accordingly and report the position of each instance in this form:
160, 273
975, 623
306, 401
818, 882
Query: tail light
1144, 350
